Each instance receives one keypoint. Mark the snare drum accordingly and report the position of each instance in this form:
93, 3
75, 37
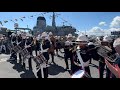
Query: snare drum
25, 53
17, 49
81, 74
41, 59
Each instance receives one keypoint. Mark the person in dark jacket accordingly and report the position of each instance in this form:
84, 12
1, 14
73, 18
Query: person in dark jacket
84, 53
44, 46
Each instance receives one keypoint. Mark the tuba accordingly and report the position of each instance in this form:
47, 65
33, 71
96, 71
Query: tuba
104, 51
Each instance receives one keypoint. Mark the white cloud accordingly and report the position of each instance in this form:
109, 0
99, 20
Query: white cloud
96, 31
102, 24
116, 22
114, 29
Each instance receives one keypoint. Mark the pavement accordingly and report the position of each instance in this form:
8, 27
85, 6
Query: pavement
12, 69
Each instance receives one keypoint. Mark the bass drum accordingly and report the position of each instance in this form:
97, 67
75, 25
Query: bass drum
78, 74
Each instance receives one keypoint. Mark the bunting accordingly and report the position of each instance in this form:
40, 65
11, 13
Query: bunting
22, 18
16, 20
5, 21
1, 23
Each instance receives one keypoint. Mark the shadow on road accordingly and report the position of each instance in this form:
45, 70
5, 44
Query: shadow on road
60, 56
18, 67
28, 74
54, 69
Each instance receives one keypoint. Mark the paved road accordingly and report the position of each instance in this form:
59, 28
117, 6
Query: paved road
10, 69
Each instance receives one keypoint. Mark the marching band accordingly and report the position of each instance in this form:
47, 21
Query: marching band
79, 50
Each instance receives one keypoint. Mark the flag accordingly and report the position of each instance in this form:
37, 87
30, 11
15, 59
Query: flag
16, 20
21, 19
5, 21
12, 21
1, 23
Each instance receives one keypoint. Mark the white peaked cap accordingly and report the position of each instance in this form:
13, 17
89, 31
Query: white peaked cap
18, 32
82, 37
67, 43
107, 38
116, 42
46, 38
73, 36
28, 34
44, 34
13, 34
23, 37
98, 38
39, 35
90, 43
38, 38
58, 37
69, 35
50, 33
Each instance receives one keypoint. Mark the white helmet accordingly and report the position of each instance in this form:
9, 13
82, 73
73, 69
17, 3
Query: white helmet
58, 37
82, 37
90, 43
107, 38
38, 37
116, 42
13, 34
67, 43
28, 35
50, 33
44, 34
69, 35
18, 32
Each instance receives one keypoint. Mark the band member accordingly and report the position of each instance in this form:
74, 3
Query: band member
36, 44
91, 46
44, 46
14, 43
84, 52
68, 50
108, 41
20, 43
52, 47
29, 44
2, 47
115, 69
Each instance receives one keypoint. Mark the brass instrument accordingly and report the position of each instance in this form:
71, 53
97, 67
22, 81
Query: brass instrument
106, 52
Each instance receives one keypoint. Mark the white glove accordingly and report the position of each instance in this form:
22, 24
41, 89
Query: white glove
45, 50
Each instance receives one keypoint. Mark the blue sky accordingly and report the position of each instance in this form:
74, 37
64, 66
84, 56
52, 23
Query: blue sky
79, 20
